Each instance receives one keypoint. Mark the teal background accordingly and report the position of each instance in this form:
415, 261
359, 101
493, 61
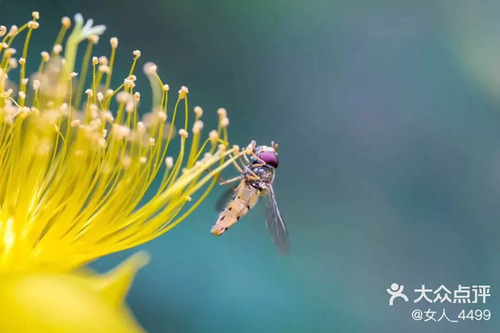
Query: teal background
388, 122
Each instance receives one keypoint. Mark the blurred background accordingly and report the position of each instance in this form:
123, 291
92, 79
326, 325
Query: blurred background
387, 116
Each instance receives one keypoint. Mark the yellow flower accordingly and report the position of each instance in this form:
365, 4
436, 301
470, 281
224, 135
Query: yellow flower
69, 302
76, 165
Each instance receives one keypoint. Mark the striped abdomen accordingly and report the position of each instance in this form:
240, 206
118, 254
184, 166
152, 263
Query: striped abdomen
246, 197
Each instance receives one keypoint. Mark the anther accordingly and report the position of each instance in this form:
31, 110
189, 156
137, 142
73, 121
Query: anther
13, 31
45, 56
94, 39
198, 111
149, 68
103, 60
66, 22
33, 25
183, 92
197, 126
222, 112
57, 48
213, 136
224, 122
169, 162
183, 133
114, 42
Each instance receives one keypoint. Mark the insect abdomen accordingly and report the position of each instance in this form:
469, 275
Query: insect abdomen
245, 199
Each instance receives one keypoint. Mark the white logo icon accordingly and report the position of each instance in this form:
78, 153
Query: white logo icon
395, 292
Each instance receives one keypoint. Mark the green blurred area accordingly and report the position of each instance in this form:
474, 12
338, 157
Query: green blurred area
389, 156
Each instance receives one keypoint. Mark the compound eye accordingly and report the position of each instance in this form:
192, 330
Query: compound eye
270, 158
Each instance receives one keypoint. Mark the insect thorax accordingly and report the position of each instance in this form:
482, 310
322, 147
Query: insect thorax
265, 173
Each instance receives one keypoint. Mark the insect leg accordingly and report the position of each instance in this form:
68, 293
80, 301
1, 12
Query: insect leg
232, 180
237, 166
253, 175
246, 159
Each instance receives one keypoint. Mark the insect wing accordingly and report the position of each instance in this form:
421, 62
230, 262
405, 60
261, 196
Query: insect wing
225, 198
275, 223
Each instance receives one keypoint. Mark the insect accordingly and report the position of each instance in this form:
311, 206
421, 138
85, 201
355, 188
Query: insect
256, 180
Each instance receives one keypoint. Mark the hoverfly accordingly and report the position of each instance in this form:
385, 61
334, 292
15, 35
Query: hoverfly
256, 180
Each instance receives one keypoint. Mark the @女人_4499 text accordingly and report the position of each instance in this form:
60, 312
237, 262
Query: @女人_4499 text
432, 302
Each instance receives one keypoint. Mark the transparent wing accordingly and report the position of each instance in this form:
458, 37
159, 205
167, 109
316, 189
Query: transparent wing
225, 198
275, 223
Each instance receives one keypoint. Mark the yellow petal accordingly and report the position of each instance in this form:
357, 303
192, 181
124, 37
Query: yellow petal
115, 284
70, 302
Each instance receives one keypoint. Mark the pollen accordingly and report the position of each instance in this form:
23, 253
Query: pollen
150, 68
57, 48
104, 69
197, 127
103, 60
183, 133
33, 25
94, 39
169, 162
162, 116
66, 22
198, 111
12, 63
183, 92
222, 112
45, 56
10, 52
213, 136
114, 42
128, 83
13, 31
224, 122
